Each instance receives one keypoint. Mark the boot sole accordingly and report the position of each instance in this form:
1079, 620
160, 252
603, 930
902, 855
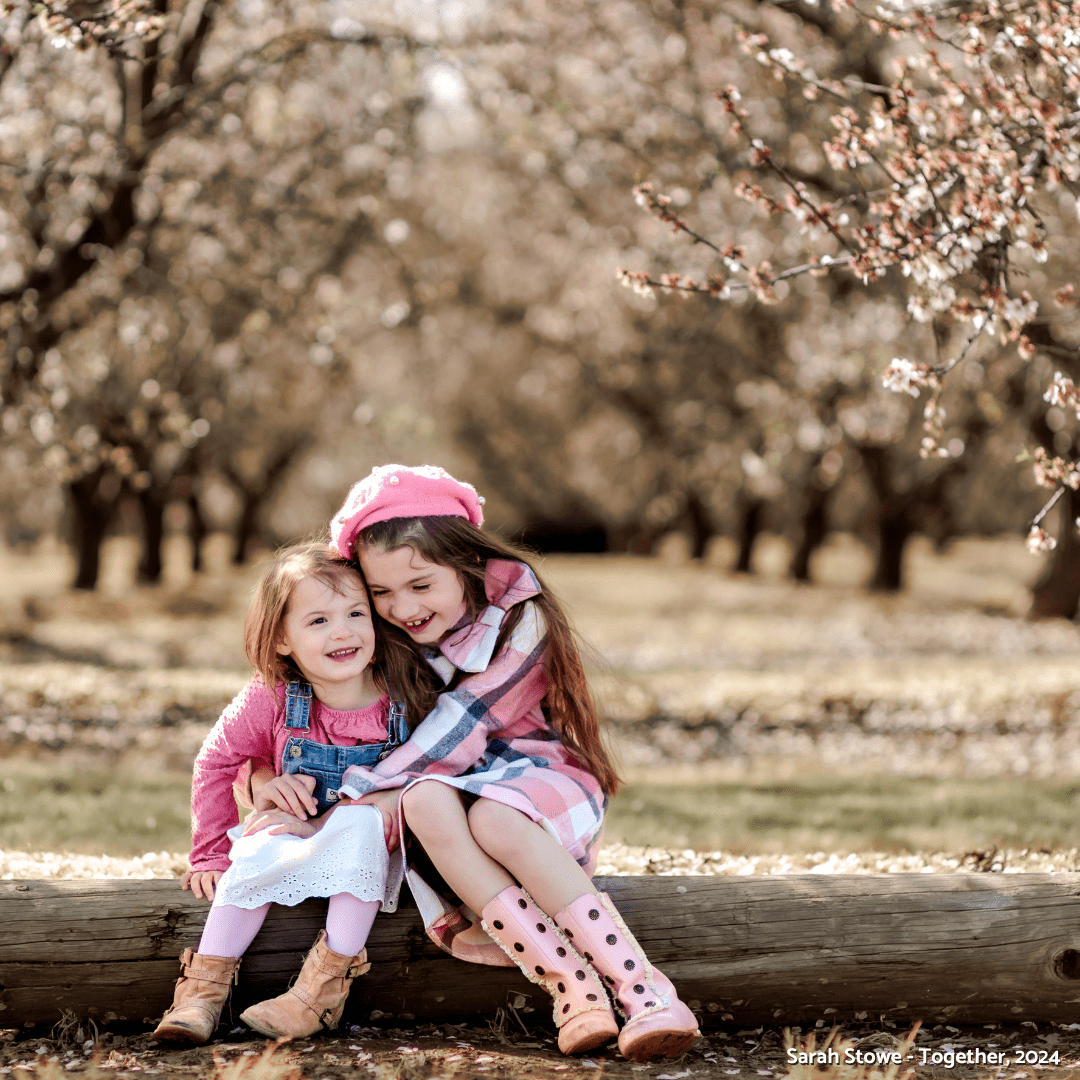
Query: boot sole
666, 1044
270, 1033
178, 1035
591, 1042
586, 1045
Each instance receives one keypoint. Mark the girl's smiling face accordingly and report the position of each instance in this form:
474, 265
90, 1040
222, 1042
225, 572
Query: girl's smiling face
425, 599
331, 637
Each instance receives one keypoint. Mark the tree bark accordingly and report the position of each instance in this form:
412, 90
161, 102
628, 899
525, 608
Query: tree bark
958, 948
92, 513
1056, 595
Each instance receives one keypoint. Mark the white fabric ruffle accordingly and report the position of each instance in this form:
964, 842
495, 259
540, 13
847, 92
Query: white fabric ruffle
348, 854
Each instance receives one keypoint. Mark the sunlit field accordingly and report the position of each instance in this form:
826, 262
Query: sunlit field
749, 715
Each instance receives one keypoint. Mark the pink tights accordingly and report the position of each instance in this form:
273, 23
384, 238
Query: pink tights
230, 930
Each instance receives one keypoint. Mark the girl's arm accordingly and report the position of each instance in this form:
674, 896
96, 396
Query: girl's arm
454, 735
280, 822
244, 730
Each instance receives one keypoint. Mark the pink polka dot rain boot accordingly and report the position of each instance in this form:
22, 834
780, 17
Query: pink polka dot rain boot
658, 1024
582, 1011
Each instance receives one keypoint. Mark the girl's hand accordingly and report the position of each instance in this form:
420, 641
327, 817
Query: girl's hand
201, 883
387, 802
281, 822
290, 792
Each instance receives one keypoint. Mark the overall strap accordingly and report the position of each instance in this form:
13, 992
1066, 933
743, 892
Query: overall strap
297, 704
398, 724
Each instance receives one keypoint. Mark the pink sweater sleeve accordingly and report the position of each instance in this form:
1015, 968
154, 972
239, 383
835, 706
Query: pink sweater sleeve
245, 730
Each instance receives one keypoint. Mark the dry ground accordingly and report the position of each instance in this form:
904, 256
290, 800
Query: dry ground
501, 1050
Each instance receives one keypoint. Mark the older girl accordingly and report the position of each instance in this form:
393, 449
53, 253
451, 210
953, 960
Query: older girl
506, 779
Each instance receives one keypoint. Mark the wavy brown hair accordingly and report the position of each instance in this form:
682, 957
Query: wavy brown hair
457, 543
396, 667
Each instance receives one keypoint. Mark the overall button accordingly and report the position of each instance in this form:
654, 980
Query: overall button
295, 752
332, 795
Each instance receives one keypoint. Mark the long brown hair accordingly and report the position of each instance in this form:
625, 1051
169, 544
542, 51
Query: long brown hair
457, 543
396, 667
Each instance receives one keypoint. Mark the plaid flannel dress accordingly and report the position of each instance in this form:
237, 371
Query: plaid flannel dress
489, 737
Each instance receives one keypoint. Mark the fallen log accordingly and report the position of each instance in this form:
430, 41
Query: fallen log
742, 951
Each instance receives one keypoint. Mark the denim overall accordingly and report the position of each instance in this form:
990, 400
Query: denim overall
328, 763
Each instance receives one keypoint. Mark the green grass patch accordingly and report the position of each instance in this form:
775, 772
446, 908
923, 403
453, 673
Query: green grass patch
849, 814
92, 811
96, 811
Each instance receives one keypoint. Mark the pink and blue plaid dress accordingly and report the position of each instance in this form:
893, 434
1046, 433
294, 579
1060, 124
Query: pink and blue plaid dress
489, 737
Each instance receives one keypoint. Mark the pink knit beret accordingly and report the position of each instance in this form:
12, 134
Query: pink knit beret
397, 491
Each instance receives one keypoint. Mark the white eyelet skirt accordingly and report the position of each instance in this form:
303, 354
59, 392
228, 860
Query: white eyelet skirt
348, 854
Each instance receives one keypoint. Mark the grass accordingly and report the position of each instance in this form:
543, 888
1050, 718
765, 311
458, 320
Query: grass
849, 814
92, 811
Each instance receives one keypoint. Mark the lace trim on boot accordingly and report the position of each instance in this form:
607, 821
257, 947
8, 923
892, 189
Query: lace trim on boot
550, 987
663, 1001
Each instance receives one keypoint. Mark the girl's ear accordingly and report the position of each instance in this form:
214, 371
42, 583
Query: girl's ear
283, 649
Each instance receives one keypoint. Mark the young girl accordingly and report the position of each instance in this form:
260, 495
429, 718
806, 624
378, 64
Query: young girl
507, 778
317, 706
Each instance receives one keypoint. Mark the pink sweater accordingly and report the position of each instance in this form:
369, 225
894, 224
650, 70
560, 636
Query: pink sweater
252, 727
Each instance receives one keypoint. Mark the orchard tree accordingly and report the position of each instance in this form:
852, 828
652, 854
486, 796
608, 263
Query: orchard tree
178, 215
353, 235
572, 394
584, 405
949, 170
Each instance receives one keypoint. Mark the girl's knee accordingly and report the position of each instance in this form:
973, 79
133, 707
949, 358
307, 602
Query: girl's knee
426, 805
497, 828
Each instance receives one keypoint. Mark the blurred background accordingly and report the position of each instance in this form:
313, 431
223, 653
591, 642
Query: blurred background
247, 258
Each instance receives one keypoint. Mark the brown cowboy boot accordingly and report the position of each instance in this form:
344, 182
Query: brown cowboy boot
201, 991
315, 1000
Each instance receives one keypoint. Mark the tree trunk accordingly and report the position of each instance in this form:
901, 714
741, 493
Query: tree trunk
93, 512
895, 523
153, 512
620, 539
246, 525
941, 948
197, 531
253, 497
749, 530
815, 527
894, 531
701, 525
1056, 595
